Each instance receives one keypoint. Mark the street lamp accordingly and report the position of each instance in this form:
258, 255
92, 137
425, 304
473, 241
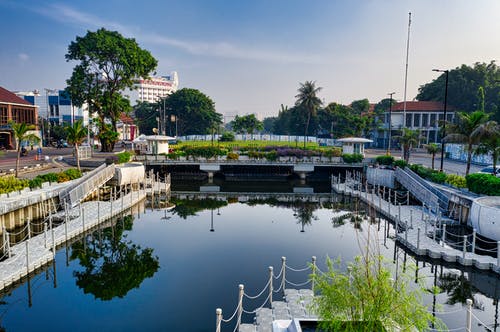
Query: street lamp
388, 152
443, 130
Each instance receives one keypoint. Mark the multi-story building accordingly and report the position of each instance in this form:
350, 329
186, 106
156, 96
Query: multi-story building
16, 109
152, 89
55, 106
424, 116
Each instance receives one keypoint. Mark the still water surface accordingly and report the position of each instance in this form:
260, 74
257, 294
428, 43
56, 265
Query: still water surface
168, 271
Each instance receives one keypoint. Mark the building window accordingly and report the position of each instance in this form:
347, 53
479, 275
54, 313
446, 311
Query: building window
416, 120
433, 120
449, 117
408, 119
56, 110
425, 120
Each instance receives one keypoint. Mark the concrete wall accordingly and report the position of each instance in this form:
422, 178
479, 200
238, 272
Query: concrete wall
485, 217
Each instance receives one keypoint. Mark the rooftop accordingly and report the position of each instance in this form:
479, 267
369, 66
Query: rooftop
431, 106
7, 97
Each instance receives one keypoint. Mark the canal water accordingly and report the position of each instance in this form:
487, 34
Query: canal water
159, 270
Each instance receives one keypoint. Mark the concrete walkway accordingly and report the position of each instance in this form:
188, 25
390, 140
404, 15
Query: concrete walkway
417, 233
41, 249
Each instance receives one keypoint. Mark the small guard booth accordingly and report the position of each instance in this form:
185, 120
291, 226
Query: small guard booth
152, 144
354, 145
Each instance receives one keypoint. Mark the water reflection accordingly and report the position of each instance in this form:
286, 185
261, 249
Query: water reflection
112, 265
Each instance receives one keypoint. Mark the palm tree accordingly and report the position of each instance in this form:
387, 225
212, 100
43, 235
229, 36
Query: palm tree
432, 149
309, 100
21, 134
408, 139
76, 134
468, 130
490, 143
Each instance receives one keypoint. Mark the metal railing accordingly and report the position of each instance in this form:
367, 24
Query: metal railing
417, 188
86, 185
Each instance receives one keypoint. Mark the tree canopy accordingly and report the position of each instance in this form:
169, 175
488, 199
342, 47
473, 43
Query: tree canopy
246, 124
108, 63
195, 112
470, 88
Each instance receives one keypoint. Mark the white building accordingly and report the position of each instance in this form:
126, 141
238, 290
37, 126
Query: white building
153, 88
56, 106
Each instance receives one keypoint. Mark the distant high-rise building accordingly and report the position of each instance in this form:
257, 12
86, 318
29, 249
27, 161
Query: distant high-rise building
153, 89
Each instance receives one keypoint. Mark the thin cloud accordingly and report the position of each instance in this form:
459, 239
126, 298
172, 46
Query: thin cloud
23, 57
65, 14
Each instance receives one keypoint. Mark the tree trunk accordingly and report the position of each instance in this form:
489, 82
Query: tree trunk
77, 157
469, 158
307, 128
18, 157
433, 156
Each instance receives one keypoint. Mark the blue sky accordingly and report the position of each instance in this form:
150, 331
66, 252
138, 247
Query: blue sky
249, 56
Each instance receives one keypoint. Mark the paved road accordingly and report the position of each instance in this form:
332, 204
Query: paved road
423, 158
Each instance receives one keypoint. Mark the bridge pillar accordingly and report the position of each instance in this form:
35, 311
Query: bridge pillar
210, 177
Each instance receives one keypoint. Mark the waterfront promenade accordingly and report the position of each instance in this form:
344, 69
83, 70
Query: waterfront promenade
421, 230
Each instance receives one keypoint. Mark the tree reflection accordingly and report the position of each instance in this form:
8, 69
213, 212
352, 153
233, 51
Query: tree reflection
458, 287
190, 207
112, 265
304, 213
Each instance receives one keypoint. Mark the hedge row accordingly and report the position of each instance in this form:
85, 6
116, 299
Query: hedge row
10, 183
486, 184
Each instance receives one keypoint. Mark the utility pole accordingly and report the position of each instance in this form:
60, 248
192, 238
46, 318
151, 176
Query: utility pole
388, 152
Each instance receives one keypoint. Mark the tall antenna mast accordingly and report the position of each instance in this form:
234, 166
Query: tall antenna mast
406, 69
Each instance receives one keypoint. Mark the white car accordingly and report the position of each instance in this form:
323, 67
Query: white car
489, 170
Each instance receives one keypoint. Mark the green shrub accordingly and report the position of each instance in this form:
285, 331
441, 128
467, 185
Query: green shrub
203, 151
227, 137
232, 156
35, 183
486, 184
62, 177
456, 180
272, 155
124, 157
385, 160
438, 177
400, 163
10, 183
49, 177
73, 173
333, 152
352, 158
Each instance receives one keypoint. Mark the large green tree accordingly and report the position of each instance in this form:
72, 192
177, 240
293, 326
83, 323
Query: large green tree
145, 117
108, 63
464, 85
307, 97
246, 124
408, 140
468, 130
194, 111
490, 143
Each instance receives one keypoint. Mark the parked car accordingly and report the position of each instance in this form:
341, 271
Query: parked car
489, 170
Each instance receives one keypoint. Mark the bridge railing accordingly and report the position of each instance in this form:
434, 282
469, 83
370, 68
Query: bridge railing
417, 188
87, 184
442, 197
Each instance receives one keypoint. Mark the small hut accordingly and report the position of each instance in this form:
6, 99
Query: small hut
152, 144
354, 144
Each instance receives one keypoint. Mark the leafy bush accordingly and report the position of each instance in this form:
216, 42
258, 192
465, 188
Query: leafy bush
35, 183
204, 151
111, 160
438, 177
456, 180
232, 156
124, 157
333, 152
10, 183
272, 156
227, 137
486, 184
385, 160
62, 177
352, 158
400, 163
49, 177
73, 173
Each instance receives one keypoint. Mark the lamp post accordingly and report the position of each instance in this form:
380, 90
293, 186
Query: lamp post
443, 130
388, 152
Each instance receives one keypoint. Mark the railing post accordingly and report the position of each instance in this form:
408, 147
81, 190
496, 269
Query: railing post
473, 241
45, 234
98, 212
418, 240
218, 319
411, 218
464, 248
468, 322
66, 222
423, 208
83, 219
28, 225
240, 305
313, 272
443, 236
283, 273
53, 236
271, 276
408, 197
